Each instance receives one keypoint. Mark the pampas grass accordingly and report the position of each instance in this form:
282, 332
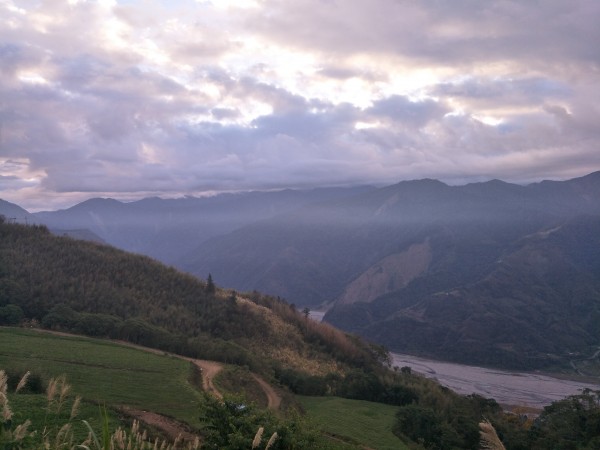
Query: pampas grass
57, 433
488, 437
258, 439
271, 441
23, 381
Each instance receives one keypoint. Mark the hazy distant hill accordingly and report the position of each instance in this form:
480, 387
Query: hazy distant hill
312, 254
14, 213
167, 229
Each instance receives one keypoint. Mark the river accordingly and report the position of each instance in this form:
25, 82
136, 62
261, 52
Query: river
506, 387
527, 389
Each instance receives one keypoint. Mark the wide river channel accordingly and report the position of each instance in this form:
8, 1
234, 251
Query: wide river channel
506, 387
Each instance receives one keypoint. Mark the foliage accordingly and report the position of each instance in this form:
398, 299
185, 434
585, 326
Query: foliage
231, 424
572, 423
569, 424
11, 315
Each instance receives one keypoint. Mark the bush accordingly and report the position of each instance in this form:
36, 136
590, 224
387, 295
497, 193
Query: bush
11, 315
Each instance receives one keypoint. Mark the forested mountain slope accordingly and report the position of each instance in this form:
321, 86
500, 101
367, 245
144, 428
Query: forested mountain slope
537, 305
93, 289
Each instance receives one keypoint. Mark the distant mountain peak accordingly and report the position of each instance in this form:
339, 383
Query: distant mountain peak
97, 202
423, 182
12, 211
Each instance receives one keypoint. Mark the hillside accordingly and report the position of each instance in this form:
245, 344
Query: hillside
92, 289
14, 213
538, 305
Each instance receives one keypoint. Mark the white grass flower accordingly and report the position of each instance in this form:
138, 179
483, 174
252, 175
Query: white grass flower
51, 390
65, 388
6, 412
489, 437
75, 407
271, 441
21, 431
23, 381
3, 382
258, 437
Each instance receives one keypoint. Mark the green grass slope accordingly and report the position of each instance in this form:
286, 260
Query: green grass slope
367, 423
105, 372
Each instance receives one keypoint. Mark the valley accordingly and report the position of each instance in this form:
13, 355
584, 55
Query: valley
491, 273
483, 275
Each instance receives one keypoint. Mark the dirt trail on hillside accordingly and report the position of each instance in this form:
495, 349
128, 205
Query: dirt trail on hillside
209, 369
273, 398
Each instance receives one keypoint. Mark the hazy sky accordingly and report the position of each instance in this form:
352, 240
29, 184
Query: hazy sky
131, 98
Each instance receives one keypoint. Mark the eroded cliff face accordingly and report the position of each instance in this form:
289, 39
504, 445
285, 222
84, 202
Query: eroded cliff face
388, 275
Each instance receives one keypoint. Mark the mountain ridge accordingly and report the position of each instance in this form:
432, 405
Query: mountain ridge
344, 251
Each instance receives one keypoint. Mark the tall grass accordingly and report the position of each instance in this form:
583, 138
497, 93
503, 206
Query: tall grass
57, 429
104, 372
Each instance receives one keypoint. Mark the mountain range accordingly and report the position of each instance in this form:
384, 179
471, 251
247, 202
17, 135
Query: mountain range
486, 273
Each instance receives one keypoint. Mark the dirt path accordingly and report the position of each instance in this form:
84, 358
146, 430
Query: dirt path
273, 398
209, 369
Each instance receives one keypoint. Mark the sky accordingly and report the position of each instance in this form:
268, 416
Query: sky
135, 98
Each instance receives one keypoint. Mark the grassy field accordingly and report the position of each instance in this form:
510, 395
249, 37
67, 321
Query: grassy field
105, 372
113, 375
35, 408
340, 417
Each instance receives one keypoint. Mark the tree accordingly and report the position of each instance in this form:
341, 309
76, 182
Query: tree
11, 315
306, 312
210, 285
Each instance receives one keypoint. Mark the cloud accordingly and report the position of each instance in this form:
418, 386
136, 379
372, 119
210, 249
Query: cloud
129, 98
